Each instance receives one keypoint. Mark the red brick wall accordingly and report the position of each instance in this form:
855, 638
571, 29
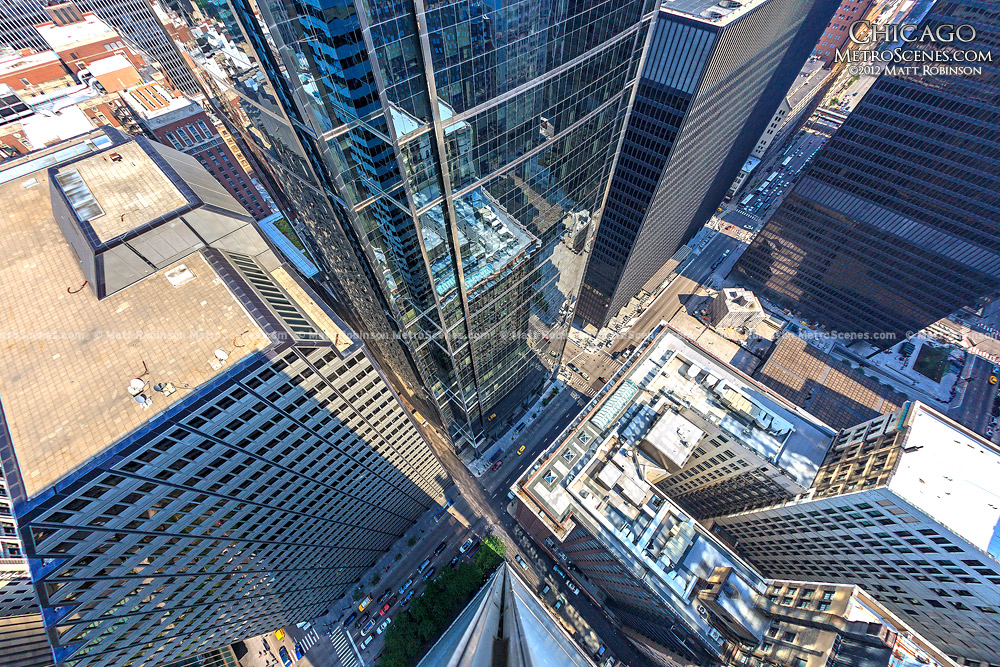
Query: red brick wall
35, 75
836, 34
228, 172
81, 55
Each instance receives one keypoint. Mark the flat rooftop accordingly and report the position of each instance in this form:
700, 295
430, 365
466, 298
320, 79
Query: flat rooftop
69, 358
676, 375
595, 479
710, 11
831, 390
951, 474
128, 192
62, 37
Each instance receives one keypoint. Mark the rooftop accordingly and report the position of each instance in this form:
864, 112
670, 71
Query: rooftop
73, 363
157, 106
595, 479
951, 474
62, 37
17, 61
109, 64
831, 390
716, 12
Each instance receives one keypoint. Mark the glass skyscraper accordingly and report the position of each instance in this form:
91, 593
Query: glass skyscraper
897, 221
446, 163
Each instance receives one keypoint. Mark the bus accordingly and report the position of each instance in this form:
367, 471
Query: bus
746, 200
786, 161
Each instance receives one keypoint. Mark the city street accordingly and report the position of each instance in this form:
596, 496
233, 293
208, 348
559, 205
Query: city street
976, 406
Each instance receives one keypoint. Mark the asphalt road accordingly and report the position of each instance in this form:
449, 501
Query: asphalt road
976, 408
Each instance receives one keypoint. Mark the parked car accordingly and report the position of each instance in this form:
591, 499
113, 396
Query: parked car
560, 601
602, 378
453, 562
496, 466
474, 549
573, 588
385, 594
286, 659
350, 619
362, 620
423, 566
386, 607
465, 547
368, 627
520, 561
385, 624
545, 591
298, 652
441, 547
406, 600
558, 570
601, 651
429, 573
267, 647
409, 582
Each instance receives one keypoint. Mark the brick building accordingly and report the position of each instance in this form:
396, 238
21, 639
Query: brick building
184, 125
80, 39
32, 74
836, 34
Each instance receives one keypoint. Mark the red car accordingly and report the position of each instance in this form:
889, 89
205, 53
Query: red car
385, 608
496, 466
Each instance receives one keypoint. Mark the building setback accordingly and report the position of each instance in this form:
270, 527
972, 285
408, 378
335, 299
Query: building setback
593, 502
894, 224
132, 18
904, 505
715, 72
183, 124
200, 452
459, 150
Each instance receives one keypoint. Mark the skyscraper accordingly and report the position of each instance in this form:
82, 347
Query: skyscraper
506, 625
715, 72
905, 505
454, 156
894, 224
197, 450
132, 18
597, 503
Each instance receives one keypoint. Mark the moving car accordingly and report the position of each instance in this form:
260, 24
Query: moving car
368, 627
423, 566
406, 600
383, 596
409, 582
558, 570
362, 620
520, 561
520, 450
385, 624
298, 652
474, 549
361, 607
367, 641
496, 466
286, 659
441, 547
429, 573
386, 607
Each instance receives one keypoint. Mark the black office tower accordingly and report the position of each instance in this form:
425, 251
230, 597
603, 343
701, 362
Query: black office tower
897, 221
714, 74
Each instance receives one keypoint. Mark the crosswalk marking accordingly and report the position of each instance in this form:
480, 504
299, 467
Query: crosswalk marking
341, 644
309, 640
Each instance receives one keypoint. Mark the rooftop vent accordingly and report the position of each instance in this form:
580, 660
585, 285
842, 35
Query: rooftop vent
179, 275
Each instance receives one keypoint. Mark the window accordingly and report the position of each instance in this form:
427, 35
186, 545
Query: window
24, 82
824, 606
788, 637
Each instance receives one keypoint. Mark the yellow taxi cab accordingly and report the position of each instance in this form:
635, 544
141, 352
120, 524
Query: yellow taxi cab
279, 634
520, 450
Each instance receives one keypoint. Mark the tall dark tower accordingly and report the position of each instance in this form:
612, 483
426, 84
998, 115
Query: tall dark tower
897, 221
714, 75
